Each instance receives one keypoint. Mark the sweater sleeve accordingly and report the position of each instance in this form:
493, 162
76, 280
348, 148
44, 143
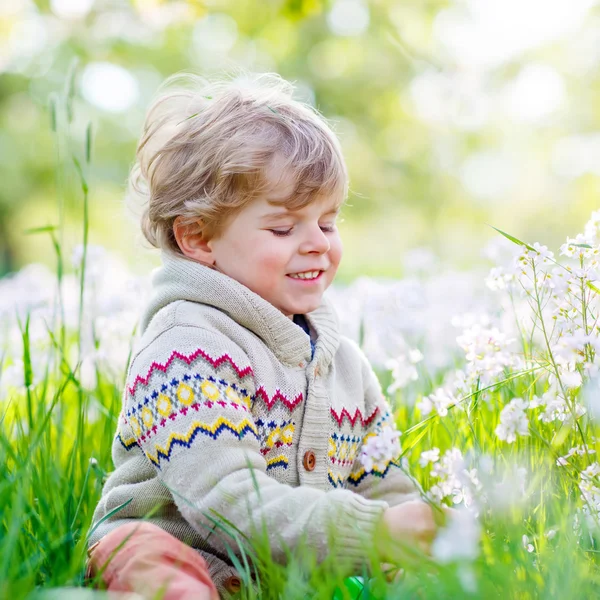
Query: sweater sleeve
189, 398
376, 472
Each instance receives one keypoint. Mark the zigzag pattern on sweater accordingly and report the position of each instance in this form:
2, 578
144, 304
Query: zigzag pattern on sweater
277, 461
358, 476
358, 416
289, 403
337, 480
128, 444
213, 430
189, 359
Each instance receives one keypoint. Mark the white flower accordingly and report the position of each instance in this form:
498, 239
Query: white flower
526, 544
513, 421
415, 356
573, 246
455, 481
590, 492
556, 408
381, 448
487, 351
403, 370
499, 279
429, 456
441, 400
591, 228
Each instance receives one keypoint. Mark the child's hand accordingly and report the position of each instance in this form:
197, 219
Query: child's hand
412, 525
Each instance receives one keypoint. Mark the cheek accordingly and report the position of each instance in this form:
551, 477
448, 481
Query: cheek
258, 255
336, 250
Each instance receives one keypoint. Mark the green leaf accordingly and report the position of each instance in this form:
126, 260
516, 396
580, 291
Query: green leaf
45, 229
513, 239
593, 287
84, 185
107, 516
88, 143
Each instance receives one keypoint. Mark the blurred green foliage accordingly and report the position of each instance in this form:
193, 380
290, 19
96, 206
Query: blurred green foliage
451, 115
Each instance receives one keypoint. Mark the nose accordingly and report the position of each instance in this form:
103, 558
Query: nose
315, 242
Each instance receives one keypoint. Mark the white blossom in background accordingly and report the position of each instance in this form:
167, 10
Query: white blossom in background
513, 421
592, 228
488, 352
477, 481
429, 456
454, 393
554, 407
454, 480
505, 487
533, 264
499, 279
527, 544
440, 401
403, 369
576, 451
112, 301
458, 540
391, 317
590, 493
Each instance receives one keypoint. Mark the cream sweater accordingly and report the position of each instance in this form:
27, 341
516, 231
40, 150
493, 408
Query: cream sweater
225, 413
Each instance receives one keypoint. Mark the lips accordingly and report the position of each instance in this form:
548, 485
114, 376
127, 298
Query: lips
306, 275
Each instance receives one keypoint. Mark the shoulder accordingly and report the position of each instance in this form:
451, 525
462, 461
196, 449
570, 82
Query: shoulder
187, 336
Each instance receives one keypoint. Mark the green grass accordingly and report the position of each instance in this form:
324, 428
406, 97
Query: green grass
53, 461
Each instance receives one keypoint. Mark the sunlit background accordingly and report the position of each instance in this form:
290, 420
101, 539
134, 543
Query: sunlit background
453, 115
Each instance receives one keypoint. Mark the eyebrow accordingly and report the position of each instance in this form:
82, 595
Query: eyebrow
276, 215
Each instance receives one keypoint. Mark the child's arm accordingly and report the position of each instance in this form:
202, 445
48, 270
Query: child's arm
376, 473
188, 409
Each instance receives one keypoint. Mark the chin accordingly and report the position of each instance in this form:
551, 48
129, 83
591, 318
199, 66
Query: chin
306, 308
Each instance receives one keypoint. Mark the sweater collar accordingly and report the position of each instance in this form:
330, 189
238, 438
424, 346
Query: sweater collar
180, 278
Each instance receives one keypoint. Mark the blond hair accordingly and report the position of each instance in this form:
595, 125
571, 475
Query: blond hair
207, 146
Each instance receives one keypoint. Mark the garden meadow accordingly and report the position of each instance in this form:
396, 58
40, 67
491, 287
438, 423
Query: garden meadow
493, 375
493, 379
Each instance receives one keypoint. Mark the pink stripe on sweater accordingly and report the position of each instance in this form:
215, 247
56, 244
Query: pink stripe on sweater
339, 417
278, 397
189, 359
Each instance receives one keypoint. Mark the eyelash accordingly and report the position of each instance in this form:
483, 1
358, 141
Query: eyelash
284, 233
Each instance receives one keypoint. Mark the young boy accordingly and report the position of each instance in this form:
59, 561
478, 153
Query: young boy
243, 401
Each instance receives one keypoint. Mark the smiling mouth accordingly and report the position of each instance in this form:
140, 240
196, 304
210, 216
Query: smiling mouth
306, 275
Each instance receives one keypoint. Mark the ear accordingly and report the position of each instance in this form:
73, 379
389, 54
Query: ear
192, 243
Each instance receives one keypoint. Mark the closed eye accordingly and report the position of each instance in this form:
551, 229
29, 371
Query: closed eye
284, 232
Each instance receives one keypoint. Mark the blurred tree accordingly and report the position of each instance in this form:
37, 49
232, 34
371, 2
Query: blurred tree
450, 115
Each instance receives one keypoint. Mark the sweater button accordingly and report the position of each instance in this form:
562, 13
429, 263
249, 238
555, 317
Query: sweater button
317, 371
309, 461
233, 584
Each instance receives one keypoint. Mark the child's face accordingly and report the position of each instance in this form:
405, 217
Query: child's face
265, 247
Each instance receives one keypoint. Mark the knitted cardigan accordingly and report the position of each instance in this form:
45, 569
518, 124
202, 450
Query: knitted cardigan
225, 414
